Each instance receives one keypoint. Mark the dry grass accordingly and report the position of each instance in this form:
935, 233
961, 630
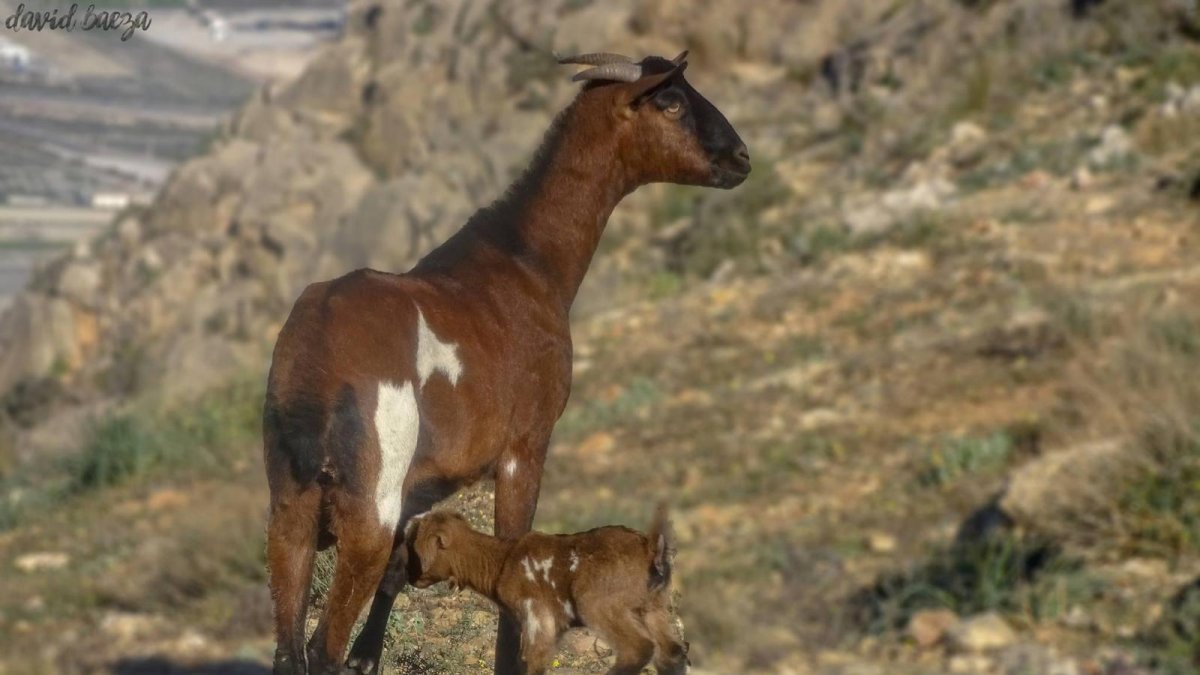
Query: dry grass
1138, 385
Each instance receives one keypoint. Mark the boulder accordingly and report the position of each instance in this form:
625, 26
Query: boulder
980, 633
929, 627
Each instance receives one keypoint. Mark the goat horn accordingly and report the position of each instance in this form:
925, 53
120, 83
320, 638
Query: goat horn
620, 72
597, 59
681, 58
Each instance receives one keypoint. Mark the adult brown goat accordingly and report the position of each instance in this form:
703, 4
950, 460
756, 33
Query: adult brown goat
389, 392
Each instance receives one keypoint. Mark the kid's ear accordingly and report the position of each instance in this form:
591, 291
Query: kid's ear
441, 540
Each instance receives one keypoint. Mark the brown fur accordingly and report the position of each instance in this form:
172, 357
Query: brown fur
611, 579
500, 290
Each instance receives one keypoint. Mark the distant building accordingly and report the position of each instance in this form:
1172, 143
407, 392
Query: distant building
114, 201
14, 55
218, 26
22, 200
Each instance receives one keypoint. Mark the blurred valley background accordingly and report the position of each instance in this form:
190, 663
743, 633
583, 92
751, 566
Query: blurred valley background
923, 392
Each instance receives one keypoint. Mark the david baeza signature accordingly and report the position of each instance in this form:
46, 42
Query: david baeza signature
93, 19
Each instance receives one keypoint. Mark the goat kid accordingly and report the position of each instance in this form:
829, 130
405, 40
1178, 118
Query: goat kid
389, 392
613, 580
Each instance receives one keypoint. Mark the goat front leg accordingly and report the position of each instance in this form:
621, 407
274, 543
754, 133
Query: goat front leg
517, 484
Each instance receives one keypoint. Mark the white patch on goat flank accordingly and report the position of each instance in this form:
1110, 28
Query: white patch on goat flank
574, 560
510, 468
396, 424
434, 355
570, 611
528, 570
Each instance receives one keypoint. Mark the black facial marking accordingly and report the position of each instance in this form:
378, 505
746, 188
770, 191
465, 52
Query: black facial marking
724, 148
715, 133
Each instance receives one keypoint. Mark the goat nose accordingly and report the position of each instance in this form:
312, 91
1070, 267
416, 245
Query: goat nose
741, 159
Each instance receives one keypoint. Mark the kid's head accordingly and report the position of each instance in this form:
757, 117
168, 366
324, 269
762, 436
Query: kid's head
429, 537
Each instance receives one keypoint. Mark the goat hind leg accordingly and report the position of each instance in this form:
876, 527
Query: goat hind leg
291, 547
362, 555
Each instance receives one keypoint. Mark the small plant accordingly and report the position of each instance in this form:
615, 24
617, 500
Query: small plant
579, 420
1160, 506
1001, 572
128, 444
1172, 646
121, 446
967, 455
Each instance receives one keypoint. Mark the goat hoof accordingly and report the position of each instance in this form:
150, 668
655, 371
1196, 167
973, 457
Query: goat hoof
361, 665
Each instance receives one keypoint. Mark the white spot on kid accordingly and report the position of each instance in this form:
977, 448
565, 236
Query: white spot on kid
544, 567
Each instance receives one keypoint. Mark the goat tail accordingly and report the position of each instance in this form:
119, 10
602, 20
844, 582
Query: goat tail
662, 548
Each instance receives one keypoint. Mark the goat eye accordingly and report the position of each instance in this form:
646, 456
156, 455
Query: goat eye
674, 108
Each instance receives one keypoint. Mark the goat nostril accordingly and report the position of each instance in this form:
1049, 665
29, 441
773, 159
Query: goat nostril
743, 154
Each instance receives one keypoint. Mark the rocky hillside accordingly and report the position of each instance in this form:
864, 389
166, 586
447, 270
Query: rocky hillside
922, 390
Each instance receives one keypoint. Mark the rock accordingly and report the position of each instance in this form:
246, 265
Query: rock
969, 664
80, 282
980, 633
166, 498
40, 562
582, 643
37, 336
129, 232
1081, 178
1019, 659
967, 132
870, 216
126, 627
1062, 489
967, 142
929, 627
1181, 100
1115, 145
1099, 204
598, 444
881, 542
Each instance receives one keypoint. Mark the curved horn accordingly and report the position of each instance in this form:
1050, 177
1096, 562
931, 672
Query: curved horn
621, 72
597, 59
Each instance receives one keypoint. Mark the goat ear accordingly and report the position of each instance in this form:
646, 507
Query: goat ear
440, 537
639, 91
410, 529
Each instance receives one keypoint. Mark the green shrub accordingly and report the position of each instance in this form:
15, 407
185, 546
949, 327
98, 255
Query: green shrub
998, 573
957, 457
121, 446
1172, 645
